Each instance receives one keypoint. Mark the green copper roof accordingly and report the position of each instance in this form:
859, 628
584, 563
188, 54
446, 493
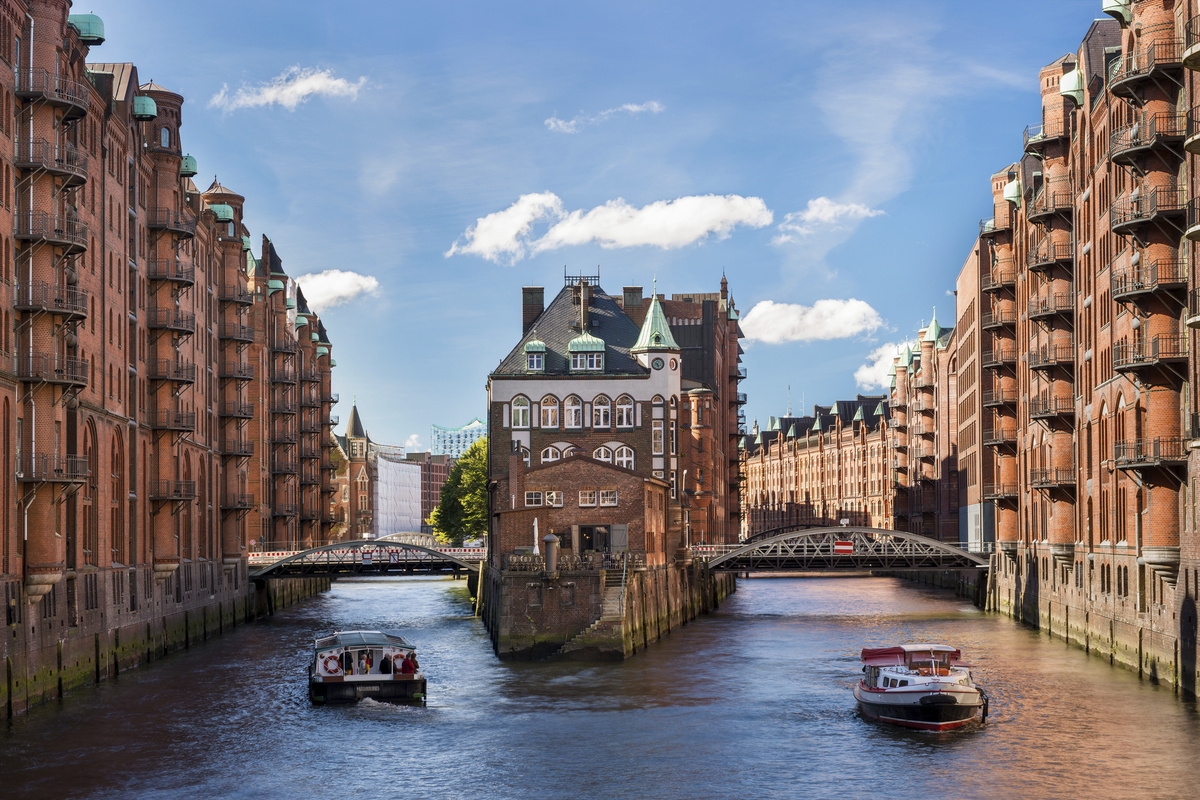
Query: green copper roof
792, 431
934, 331
905, 357
316, 337
290, 303
187, 167
1071, 85
1012, 192
758, 439
90, 27
1118, 10
322, 351
535, 345
817, 425
656, 333
858, 415
245, 242
274, 286
223, 211
301, 321
879, 410
585, 343
144, 108
332, 362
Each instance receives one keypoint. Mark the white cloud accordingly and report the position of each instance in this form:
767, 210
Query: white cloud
873, 374
668, 224
579, 121
413, 443
774, 323
289, 89
333, 287
822, 213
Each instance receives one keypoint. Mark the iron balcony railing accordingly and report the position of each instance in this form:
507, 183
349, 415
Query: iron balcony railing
57, 90
171, 420
170, 319
310, 375
310, 426
52, 297
235, 332
237, 370
1159, 201
1150, 452
1058, 476
996, 319
172, 490
233, 294
1161, 55
1164, 347
282, 375
283, 437
997, 224
999, 357
1049, 306
1163, 274
51, 467
999, 491
1048, 252
309, 478
309, 401
168, 269
1129, 141
1051, 355
738, 374
173, 221
232, 502
996, 436
998, 279
164, 369
334, 419
1037, 136
240, 410
283, 344
285, 467
309, 453
332, 397
51, 368
237, 447
1191, 34
1051, 406
999, 397
283, 407
286, 509
1055, 197
1193, 307
62, 159
38, 226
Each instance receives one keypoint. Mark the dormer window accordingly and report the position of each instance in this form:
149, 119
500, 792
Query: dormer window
587, 353
535, 354
582, 362
536, 362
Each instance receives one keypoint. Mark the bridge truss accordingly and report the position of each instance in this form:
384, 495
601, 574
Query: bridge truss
373, 556
842, 550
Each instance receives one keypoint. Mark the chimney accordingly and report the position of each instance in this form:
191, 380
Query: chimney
632, 297
516, 476
533, 303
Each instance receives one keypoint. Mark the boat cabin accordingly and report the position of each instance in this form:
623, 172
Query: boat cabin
895, 667
362, 655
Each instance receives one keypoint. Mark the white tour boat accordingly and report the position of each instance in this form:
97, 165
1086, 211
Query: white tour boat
350, 665
922, 686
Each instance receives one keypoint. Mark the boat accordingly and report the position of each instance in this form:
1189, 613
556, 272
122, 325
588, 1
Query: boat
350, 665
924, 686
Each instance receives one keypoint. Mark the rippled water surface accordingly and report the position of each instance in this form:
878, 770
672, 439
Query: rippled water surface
751, 701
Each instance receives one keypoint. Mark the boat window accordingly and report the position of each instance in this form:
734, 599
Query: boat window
904, 683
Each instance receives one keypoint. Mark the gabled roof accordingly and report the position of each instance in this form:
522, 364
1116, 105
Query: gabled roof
354, 426
655, 333
934, 331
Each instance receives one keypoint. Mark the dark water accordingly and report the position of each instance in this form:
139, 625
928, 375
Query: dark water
752, 701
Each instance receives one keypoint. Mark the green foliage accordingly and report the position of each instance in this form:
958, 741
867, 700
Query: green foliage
462, 511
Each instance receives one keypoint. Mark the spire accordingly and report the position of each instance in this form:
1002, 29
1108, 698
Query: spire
817, 425
934, 331
858, 415
354, 426
789, 411
656, 333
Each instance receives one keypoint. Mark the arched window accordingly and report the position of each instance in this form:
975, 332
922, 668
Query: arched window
601, 412
573, 412
520, 412
603, 454
525, 455
624, 457
166, 137
549, 411
624, 411
551, 454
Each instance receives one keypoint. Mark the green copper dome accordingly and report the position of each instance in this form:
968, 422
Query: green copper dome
187, 167
223, 211
586, 343
90, 27
656, 333
535, 345
144, 108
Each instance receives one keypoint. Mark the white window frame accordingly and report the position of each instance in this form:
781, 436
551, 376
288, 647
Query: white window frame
624, 454
551, 453
608, 498
624, 411
573, 413
533, 498
536, 362
604, 454
587, 498
520, 412
554, 499
656, 437
550, 412
601, 413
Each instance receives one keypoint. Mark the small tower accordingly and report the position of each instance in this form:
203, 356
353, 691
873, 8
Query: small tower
655, 338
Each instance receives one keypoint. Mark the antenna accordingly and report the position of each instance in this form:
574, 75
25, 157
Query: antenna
789, 411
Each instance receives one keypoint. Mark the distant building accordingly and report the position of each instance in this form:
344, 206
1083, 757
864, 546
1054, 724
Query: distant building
435, 469
454, 442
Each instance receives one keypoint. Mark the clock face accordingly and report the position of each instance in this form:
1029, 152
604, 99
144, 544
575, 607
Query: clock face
657, 363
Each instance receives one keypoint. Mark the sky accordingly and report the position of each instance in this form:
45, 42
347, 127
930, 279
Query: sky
416, 164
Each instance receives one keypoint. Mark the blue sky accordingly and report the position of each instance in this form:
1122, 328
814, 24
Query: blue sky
442, 155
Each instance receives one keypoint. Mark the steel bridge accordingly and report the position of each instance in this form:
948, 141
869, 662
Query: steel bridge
841, 549
371, 557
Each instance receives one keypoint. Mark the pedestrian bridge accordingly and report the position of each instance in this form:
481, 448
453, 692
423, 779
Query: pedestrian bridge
368, 556
841, 549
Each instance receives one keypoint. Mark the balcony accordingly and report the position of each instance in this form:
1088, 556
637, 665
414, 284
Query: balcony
164, 219
1056, 197
171, 420
1052, 478
237, 410
997, 319
309, 453
897, 423
235, 370
1129, 144
63, 160
310, 426
920, 405
237, 502
283, 407
1193, 316
1162, 204
1162, 350
1051, 356
283, 375
999, 491
235, 295
52, 368
999, 357
285, 509
283, 344
738, 399
168, 269
309, 514
169, 319
173, 490
282, 467
57, 231
1001, 223
54, 298
1051, 407
232, 331
738, 374
1158, 60
925, 451
994, 437
309, 479
240, 448
1164, 275
924, 429
1052, 306
1159, 452
309, 401
999, 397
283, 437
164, 369
334, 419
1191, 43
1048, 253
1037, 137
332, 397
51, 468
998, 280
58, 91
310, 375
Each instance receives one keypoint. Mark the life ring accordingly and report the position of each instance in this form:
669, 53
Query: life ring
336, 667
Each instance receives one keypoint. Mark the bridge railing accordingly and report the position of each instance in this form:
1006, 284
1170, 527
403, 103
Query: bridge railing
530, 562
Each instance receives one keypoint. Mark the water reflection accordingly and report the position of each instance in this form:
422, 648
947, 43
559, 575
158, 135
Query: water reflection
754, 699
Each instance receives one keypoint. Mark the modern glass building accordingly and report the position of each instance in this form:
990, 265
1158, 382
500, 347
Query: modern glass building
454, 442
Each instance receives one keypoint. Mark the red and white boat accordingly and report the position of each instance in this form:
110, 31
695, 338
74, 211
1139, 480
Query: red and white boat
923, 686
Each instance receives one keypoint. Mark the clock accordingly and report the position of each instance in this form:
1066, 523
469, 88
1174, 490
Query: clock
657, 363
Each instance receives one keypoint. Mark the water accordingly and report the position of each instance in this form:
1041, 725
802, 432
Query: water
753, 700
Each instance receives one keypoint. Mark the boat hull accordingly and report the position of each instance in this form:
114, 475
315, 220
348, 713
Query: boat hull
331, 692
929, 711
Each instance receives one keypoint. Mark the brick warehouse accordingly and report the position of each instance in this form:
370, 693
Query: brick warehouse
614, 426
165, 393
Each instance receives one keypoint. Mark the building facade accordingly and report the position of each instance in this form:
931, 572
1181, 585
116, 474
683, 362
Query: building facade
453, 442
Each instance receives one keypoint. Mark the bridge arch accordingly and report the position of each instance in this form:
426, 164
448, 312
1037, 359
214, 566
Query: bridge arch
313, 556
871, 549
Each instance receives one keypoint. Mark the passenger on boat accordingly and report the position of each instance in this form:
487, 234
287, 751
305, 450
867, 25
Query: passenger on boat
364, 666
409, 665
347, 663
385, 664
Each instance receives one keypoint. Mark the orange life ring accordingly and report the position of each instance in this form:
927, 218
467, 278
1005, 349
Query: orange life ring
337, 665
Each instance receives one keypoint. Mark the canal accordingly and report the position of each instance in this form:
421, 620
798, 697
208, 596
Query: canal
753, 700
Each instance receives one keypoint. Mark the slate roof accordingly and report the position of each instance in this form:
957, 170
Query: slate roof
865, 408
558, 324
354, 426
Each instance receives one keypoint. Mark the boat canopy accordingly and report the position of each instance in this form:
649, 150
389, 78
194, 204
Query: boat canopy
897, 656
361, 639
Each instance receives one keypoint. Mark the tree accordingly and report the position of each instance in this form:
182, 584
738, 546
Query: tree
462, 509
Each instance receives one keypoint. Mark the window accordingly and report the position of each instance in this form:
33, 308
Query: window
672, 484
549, 412
601, 412
603, 454
362, 502
587, 497
535, 361
525, 455
520, 412
656, 438
573, 412
166, 137
550, 454
608, 497
624, 411
624, 457
533, 498
554, 499
587, 361
674, 438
